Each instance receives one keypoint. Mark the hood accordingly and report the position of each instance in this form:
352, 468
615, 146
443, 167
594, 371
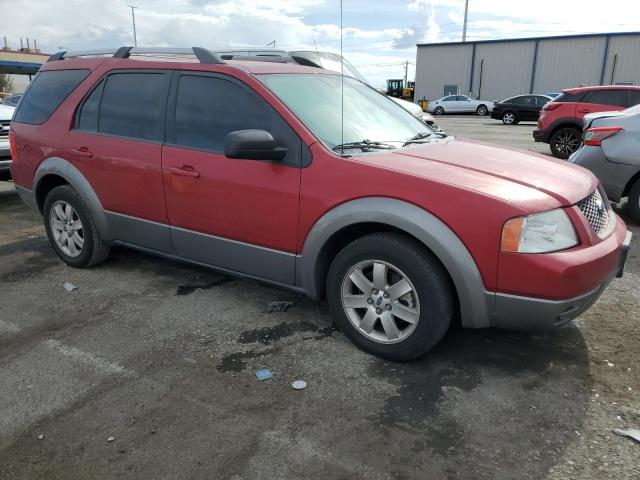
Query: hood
534, 182
409, 106
6, 112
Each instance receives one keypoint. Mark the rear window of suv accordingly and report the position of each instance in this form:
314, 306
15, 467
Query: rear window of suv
614, 98
569, 97
45, 93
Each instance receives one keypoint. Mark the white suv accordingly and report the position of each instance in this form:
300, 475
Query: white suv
6, 113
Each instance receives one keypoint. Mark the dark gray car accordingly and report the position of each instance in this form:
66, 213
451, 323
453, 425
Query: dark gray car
611, 150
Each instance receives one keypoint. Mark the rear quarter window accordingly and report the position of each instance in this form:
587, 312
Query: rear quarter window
45, 94
569, 97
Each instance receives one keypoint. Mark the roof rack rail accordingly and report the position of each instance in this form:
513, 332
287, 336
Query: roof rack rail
202, 54
259, 58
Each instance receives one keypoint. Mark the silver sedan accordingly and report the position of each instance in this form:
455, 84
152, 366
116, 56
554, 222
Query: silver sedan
610, 151
460, 104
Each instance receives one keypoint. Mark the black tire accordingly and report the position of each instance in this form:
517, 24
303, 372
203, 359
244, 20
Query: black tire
510, 117
482, 110
565, 141
95, 250
432, 286
634, 201
438, 111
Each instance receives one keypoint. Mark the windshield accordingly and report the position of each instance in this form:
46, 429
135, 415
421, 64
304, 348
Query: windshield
368, 115
330, 61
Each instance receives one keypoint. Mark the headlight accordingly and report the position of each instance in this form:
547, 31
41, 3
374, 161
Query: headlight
540, 233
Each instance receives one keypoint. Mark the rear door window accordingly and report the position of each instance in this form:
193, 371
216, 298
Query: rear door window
133, 105
45, 94
614, 98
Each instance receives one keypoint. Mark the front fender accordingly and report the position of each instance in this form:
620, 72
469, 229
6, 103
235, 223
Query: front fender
66, 170
475, 302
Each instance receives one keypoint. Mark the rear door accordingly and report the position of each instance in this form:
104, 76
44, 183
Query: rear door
528, 108
117, 145
601, 101
236, 214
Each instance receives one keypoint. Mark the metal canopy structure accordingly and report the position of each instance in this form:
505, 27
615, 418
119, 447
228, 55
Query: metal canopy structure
21, 62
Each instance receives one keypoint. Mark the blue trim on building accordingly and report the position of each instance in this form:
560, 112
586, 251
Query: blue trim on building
524, 39
604, 59
534, 66
473, 66
20, 64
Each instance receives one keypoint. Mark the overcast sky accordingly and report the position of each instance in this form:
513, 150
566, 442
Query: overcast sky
379, 35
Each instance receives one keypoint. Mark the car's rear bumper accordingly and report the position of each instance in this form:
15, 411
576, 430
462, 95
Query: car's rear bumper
540, 136
524, 312
5, 168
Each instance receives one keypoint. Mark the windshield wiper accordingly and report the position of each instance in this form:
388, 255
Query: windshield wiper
419, 137
365, 145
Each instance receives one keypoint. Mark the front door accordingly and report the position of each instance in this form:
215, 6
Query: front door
235, 214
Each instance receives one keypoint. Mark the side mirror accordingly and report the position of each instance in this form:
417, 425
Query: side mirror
252, 145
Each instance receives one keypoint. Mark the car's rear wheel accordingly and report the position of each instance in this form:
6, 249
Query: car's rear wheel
482, 110
565, 141
439, 111
634, 201
71, 229
509, 118
390, 296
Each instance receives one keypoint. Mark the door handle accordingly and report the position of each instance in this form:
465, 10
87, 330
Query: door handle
82, 152
584, 111
184, 171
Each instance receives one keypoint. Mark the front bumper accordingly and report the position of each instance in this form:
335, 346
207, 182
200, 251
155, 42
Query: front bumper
531, 313
496, 114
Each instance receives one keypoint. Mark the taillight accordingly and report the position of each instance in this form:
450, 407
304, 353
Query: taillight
550, 106
13, 145
595, 136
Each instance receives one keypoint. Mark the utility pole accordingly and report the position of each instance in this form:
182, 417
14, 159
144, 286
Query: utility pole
406, 72
272, 44
133, 17
464, 26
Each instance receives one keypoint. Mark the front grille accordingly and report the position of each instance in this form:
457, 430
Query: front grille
596, 211
4, 128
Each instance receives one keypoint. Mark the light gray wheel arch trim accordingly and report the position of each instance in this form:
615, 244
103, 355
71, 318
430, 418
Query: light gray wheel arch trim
63, 168
475, 302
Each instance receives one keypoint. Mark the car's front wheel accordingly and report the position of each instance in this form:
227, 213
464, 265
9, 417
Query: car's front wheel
390, 296
439, 111
482, 110
565, 141
71, 229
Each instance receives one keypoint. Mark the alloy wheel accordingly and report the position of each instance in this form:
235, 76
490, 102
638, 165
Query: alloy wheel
508, 118
380, 301
66, 228
482, 110
567, 142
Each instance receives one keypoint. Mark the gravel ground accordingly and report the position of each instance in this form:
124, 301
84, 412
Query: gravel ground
147, 371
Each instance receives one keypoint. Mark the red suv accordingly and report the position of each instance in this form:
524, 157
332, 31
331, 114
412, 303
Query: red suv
259, 169
560, 121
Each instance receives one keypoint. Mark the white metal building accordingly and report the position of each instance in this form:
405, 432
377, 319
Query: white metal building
498, 69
